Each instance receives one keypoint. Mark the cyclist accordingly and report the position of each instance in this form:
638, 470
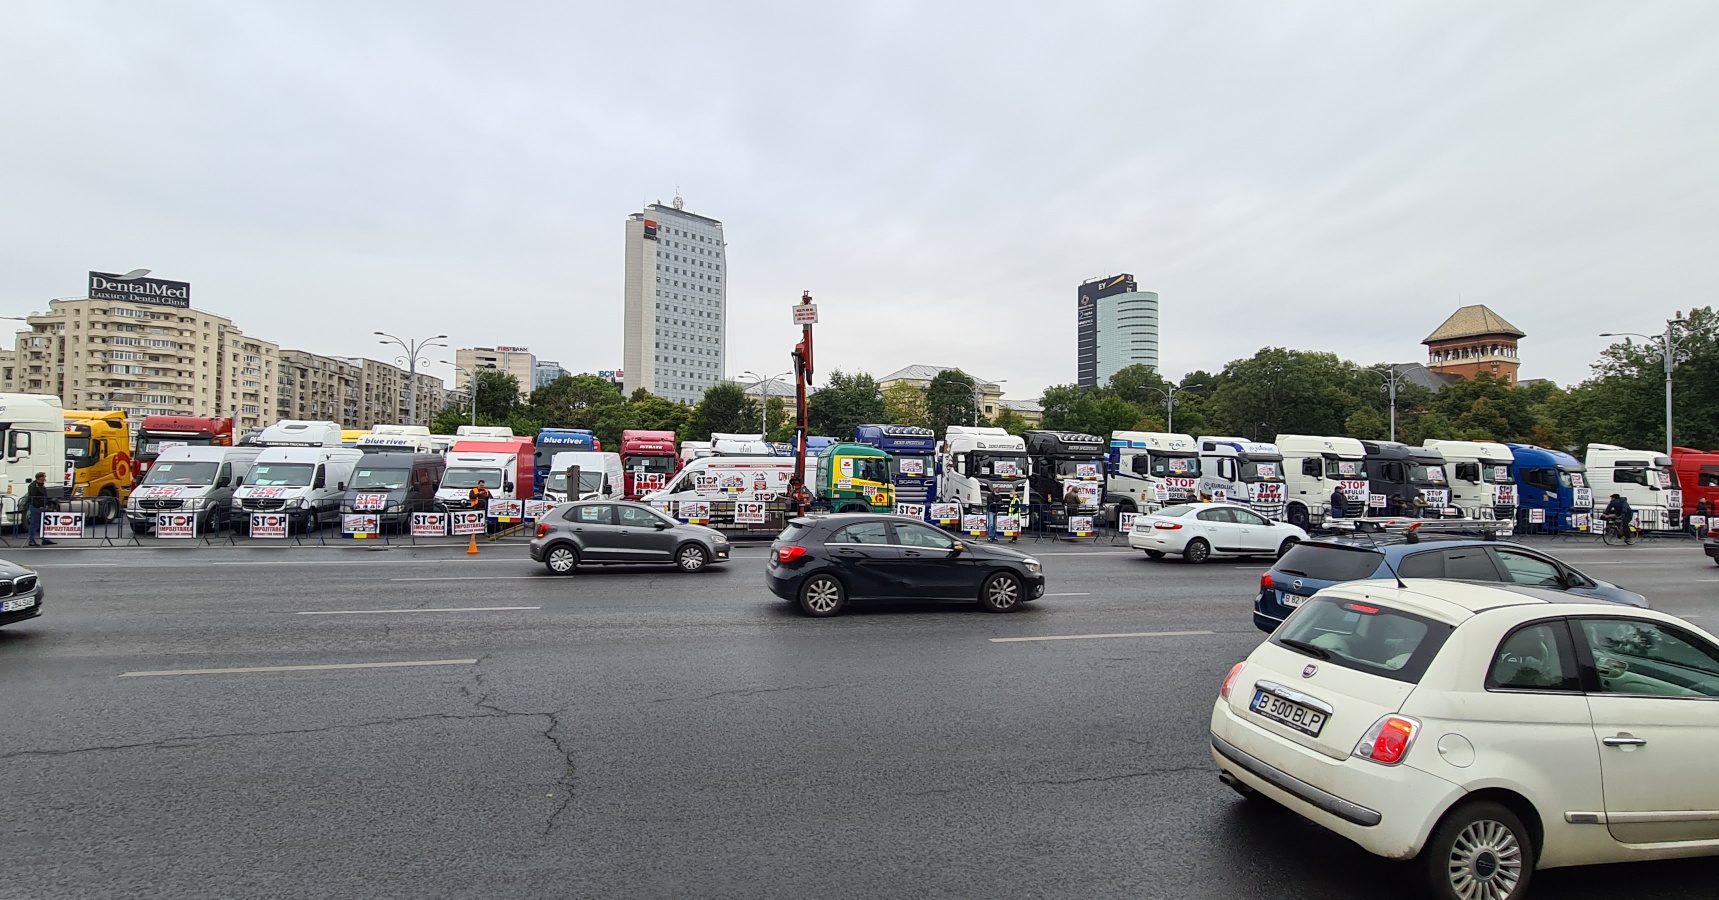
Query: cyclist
1618, 514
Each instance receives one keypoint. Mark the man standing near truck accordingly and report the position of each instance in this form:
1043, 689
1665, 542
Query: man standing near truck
479, 496
36, 495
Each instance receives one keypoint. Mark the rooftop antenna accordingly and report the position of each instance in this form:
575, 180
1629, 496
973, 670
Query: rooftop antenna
678, 203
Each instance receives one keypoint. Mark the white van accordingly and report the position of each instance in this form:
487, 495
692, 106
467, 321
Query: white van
33, 435
721, 481
296, 433
1482, 484
304, 482
739, 445
1645, 478
484, 432
691, 450
466, 469
198, 479
397, 439
600, 476
1313, 467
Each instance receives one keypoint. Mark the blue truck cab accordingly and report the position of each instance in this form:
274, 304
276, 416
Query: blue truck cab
1552, 481
551, 441
913, 454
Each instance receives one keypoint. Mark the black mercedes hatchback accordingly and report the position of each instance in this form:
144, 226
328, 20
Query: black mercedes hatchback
822, 563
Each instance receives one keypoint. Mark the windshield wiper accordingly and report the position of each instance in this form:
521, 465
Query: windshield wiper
1304, 647
1293, 572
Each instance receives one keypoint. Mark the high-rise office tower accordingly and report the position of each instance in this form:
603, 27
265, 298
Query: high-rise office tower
1116, 327
676, 312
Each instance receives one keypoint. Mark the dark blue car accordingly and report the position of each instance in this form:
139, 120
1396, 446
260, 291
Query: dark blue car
1311, 566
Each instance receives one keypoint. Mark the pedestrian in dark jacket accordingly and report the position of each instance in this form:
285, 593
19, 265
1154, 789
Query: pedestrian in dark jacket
36, 496
1338, 502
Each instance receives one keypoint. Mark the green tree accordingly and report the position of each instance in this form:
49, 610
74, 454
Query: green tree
778, 424
1140, 385
1278, 390
1069, 407
574, 401
949, 400
653, 413
904, 404
725, 409
1010, 421
497, 396
846, 401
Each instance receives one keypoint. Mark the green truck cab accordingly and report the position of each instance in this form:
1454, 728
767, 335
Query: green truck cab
855, 478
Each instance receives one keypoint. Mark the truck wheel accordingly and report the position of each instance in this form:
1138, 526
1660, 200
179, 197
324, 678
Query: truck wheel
1298, 516
106, 507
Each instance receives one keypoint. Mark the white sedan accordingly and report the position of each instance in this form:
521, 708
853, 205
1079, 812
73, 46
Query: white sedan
1483, 731
1199, 531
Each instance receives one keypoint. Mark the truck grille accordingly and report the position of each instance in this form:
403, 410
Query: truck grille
160, 504
263, 503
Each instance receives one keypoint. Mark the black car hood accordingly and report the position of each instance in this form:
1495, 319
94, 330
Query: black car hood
988, 550
13, 570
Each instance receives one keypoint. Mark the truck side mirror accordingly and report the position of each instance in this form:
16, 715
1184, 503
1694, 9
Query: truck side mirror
18, 443
340, 486
221, 482
319, 480
507, 486
1141, 465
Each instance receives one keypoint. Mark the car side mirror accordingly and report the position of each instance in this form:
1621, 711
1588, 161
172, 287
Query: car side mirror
662, 526
957, 549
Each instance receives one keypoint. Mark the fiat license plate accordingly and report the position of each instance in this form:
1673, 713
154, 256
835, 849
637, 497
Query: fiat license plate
1301, 718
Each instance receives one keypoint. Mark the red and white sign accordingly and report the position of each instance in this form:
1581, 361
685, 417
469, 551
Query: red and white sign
1086, 470
648, 481
946, 513
1505, 495
1537, 516
160, 492
506, 510
1080, 526
1128, 521
1377, 501
360, 524
1354, 491
973, 525
370, 502
1436, 496
62, 525
704, 484
1005, 468
748, 513
175, 525
1089, 492
805, 314
914, 467
1265, 492
537, 509
429, 524
71, 471
468, 521
697, 512
268, 525
1180, 488
1009, 525
911, 510
266, 493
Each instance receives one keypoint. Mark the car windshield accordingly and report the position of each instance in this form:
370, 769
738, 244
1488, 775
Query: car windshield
1363, 635
1497, 474
1330, 562
1261, 471
280, 475
181, 472
917, 466
661, 465
466, 479
380, 479
1429, 476
590, 482
1174, 512
1164, 466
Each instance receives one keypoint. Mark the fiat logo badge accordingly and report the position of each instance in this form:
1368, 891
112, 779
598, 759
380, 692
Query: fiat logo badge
1309, 670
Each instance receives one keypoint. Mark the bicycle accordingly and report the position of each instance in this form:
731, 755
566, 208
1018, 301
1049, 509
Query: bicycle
1618, 531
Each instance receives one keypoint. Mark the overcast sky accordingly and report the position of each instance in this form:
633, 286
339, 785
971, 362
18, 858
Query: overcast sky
1334, 176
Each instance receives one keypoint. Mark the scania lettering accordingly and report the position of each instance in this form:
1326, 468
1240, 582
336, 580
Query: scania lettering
1553, 482
982, 468
649, 460
1059, 459
33, 435
1314, 467
1644, 478
157, 432
1482, 483
1150, 469
1246, 471
98, 457
913, 460
551, 441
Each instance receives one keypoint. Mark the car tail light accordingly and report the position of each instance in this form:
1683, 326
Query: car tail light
1362, 608
1224, 692
1389, 740
543, 530
1167, 526
787, 554
1265, 582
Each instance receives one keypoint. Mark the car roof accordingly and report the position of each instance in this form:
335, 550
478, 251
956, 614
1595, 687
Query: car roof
1396, 546
852, 517
1457, 601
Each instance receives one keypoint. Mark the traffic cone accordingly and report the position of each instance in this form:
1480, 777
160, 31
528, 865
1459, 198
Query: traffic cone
472, 550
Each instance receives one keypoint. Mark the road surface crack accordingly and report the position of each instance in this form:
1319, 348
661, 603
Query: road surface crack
1121, 776
747, 692
191, 740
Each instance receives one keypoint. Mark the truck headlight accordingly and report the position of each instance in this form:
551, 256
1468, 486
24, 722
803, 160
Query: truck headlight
295, 503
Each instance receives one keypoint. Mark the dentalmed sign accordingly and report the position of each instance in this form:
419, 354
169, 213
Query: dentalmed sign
104, 286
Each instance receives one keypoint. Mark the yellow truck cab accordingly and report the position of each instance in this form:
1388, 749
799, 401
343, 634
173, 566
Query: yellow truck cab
99, 468
351, 436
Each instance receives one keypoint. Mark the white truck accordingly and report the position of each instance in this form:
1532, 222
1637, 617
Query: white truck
297, 433
305, 482
1645, 478
500, 471
600, 476
739, 445
691, 450
979, 464
398, 439
1151, 469
33, 435
1313, 467
1244, 471
1481, 478
484, 432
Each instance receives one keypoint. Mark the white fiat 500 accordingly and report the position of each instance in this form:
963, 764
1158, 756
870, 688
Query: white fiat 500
1488, 731
1199, 531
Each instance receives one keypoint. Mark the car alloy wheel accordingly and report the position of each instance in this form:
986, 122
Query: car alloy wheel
822, 595
1197, 551
1481, 852
691, 558
1288, 542
562, 560
1001, 593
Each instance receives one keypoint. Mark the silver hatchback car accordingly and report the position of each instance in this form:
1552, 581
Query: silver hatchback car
610, 532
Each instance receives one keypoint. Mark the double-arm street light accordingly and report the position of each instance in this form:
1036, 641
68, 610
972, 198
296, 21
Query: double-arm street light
1393, 382
471, 382
413, 360
1169, 394
1668, 355
764, 403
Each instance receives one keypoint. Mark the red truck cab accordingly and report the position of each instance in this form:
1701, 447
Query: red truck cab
1698, 474
191, 431
523, 468
649, 460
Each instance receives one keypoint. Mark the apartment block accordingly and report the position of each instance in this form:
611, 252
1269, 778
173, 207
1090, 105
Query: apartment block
319, 388
516, 361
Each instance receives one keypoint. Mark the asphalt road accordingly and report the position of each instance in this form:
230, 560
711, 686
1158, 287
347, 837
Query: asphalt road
651, 734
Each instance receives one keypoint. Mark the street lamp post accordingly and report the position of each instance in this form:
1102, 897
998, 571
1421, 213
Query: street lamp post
978, 390
471, 384
413, 348
1668, 356
1169, 394
1393, 382
763, 404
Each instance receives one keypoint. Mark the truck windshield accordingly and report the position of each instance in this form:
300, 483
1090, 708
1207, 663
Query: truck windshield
1344, 469
1079, 468
1495, 473
1164, 466
77, 447
1261, 471
380, 479
1667, 477
465, 479
590, 482
989, 465
1432, 476
660, 465
864, 469
151, 443
181, 472
279, 475
912, 466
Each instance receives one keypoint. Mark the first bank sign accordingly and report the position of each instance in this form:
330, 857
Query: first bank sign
104, 286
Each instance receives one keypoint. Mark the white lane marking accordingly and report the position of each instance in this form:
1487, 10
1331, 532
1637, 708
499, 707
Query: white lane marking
1074, 594
377, 612
472, 577
364, 562
375, 665
1089, 553
1093, 637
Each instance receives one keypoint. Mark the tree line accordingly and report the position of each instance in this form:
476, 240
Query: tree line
1275, 391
